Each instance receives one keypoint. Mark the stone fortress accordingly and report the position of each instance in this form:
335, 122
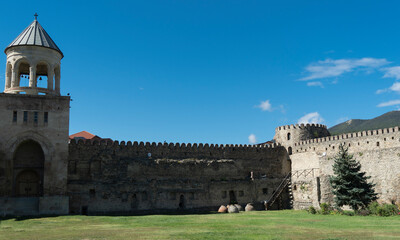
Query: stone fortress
42, 172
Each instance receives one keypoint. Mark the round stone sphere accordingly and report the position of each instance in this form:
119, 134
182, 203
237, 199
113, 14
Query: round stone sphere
233, 209
239, 207
222, 209
249, 207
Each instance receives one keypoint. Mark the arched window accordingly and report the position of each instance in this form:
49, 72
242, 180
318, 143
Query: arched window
42, 73
288, 136
23, 75
290, 150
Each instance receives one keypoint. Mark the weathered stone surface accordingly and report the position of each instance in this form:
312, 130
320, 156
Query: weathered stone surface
123, 177
222, 209
312, 158
239, 207
249, 207
232, 209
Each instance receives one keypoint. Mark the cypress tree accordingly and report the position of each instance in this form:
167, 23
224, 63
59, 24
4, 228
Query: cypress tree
349, 184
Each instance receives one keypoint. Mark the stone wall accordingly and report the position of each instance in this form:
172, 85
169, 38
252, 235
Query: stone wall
378, 151
51, 135
112, 177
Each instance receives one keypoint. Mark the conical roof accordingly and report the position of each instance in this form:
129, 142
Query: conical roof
34, 35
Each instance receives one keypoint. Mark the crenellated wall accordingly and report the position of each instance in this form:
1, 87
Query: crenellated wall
378, 151
126, 177
289, 135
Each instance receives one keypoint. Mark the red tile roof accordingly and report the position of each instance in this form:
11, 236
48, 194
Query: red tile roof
85, 135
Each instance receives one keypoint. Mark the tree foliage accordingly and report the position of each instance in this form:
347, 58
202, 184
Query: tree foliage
349, 184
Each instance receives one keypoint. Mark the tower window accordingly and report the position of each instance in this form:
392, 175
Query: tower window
288, 136
46, 117
35, 117
15, 116
25, 116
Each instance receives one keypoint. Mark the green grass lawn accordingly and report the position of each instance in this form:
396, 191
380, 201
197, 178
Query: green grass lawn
288, 224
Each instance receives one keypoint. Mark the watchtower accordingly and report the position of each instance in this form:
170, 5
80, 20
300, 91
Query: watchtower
34, 119
288, 135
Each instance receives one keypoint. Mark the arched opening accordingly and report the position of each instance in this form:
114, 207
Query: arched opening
232, 197
42, 73
28, 169
23, 75
290, 150
182, 204
134, 202
288, 136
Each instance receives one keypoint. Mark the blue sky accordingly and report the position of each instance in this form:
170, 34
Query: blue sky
217, 71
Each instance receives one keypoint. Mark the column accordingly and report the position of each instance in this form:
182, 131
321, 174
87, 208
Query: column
50, 76
8, 78
32, 76
14, 78
57, 83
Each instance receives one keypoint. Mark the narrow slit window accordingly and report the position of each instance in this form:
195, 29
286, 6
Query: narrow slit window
25, 116
15, 116
35, 117
46, 117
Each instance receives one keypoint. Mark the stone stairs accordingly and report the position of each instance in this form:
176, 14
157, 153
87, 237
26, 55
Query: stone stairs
286, 182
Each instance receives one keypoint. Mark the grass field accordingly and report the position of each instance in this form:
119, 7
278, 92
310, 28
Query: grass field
288, 224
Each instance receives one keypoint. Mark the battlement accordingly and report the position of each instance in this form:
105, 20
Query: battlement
300, 126
198, 146
354, 135
147, 150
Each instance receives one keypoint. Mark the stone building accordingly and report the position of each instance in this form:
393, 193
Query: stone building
34, 122
42, 171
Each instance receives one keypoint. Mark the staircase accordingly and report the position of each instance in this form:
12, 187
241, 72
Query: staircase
286, 182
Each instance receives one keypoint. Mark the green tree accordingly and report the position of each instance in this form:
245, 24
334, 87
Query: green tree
349, 184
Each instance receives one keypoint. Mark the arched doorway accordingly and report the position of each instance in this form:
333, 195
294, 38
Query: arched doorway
28, 169
232, 197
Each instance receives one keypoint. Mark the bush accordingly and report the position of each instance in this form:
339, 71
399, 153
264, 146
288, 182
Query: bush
383, 210
312, 210
386, 210
373, 208
325, 208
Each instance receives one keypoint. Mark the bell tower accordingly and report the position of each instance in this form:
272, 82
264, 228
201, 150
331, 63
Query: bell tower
34, 118
33, 58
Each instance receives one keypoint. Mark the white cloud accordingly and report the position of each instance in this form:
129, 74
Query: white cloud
252, 139
313, 117
394, 88
389, 103
392, 72
265, 106
315, 84
333, 68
